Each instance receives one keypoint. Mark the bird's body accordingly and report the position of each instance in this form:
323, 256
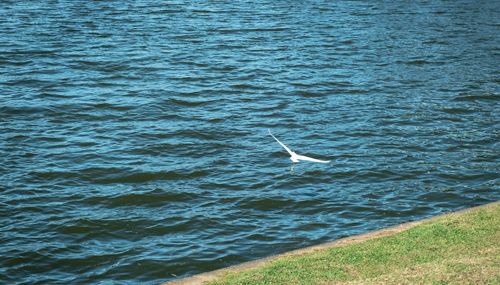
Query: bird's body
297, 157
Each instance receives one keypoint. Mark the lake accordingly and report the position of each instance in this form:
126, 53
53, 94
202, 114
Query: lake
134, 141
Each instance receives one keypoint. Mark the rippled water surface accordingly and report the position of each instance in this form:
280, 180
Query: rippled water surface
133, 134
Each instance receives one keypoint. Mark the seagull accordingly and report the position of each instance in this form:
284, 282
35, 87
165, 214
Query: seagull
297, 157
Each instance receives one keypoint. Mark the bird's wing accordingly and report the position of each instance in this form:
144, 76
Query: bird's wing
287, 149
303, 157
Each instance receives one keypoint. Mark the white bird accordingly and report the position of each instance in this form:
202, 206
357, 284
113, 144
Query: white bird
296, 157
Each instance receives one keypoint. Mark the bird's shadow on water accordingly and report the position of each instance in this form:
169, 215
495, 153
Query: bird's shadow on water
303, 170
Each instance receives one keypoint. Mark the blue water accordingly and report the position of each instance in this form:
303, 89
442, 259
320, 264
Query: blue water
133, 134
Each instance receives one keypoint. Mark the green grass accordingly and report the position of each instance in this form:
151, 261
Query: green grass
461, 248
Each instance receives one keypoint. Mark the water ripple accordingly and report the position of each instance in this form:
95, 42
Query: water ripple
134, 144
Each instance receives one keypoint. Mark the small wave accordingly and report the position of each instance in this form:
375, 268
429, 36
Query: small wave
180, 149
55, 175
356, 91
419, 62
23, 110
152, 176
310, 94
6, 62
212, 135
27, 82
243, 86
457, 110
156, 197
110, 106
116, 175
190, 103
249, 30
440, 197
477, 96
382, 174
219, 186
436, 41
266, 204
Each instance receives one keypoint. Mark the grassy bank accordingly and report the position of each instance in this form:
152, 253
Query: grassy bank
460, 248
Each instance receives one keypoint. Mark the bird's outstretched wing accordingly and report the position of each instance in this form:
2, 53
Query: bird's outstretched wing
287, 149
303, 157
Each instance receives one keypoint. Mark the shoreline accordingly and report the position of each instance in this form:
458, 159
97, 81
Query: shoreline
213, 275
